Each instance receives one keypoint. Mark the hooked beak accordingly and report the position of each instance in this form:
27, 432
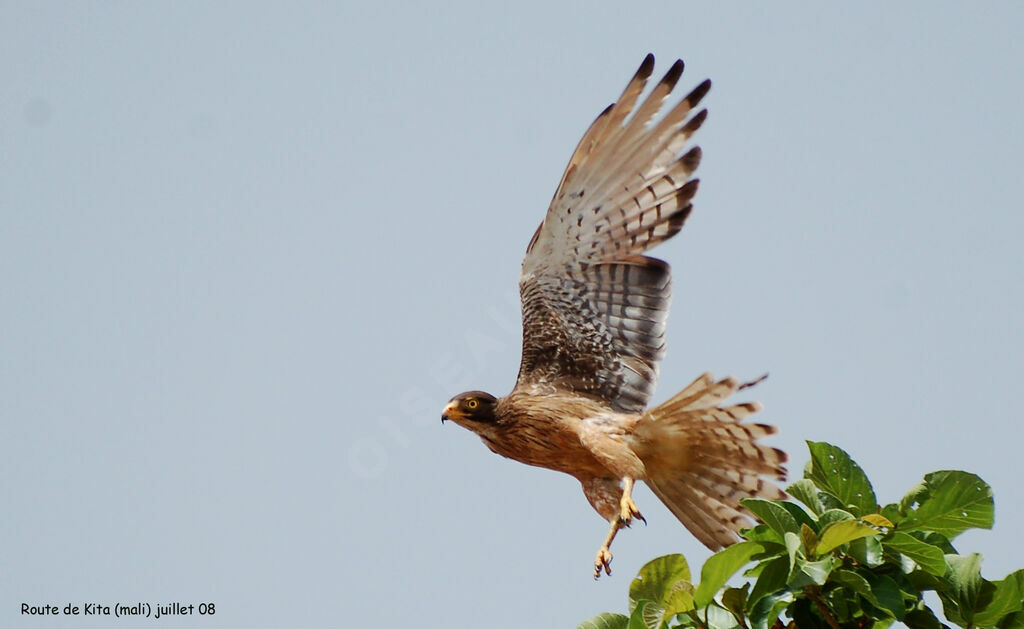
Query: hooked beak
450, 412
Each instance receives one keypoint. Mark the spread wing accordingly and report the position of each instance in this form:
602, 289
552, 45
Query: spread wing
594, 307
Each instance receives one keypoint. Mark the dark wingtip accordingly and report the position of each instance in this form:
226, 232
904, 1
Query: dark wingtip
695, 122
756, 381
677, 220
647, 67
698, 93
687, 191
673, 74
691, 160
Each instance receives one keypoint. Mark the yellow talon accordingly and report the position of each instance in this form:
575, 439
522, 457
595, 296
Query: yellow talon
627, 508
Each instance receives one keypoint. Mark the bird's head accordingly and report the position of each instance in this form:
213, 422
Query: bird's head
470, 409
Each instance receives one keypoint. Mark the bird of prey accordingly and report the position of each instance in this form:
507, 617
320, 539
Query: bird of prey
594, 313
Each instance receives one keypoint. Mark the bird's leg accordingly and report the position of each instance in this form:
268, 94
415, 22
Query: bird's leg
627, 511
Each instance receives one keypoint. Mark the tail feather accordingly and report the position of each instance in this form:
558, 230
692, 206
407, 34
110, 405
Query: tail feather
712, 523
702, 394
701, 460
731, 486
761, 459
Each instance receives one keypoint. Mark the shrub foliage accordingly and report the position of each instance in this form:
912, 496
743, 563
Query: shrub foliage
839, 560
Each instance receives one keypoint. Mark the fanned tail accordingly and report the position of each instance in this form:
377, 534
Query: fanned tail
701, 460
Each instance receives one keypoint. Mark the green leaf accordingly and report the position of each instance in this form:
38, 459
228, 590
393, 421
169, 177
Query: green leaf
834, 472
913, 497
877, 520
665, 581
951, 503
761, 533
809, 538
936, 539
804, 614
1004, 598
828, 500
718, 618
930, 558
771, 580
866, 551
805, 491
606, 620
720, 567
839, 533
793, 546
922, 619
735, 599
960, 600
811, 572
834, 515
922, 581
755, 570
893, 512
879, 590
652, 615
887, 594
772, 514
842, 604
854, 582
799, 514
646, 615
766, 611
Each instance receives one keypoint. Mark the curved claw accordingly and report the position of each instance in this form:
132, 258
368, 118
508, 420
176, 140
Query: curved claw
628, 510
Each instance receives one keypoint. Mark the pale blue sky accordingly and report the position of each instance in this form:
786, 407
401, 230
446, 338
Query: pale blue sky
249, 252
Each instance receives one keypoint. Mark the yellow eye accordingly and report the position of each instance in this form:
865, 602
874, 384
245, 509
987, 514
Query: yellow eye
472, 404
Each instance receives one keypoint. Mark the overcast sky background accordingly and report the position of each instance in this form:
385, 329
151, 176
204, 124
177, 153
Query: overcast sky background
249, 253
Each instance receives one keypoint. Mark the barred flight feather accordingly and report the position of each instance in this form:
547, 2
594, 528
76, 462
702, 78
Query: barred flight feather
627, 187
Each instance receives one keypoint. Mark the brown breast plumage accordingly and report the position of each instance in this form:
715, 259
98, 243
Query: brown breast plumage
544, 430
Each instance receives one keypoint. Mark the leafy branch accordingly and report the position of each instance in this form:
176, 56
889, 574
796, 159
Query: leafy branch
837, 560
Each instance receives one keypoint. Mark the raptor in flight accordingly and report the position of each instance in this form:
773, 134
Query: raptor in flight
594, 314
